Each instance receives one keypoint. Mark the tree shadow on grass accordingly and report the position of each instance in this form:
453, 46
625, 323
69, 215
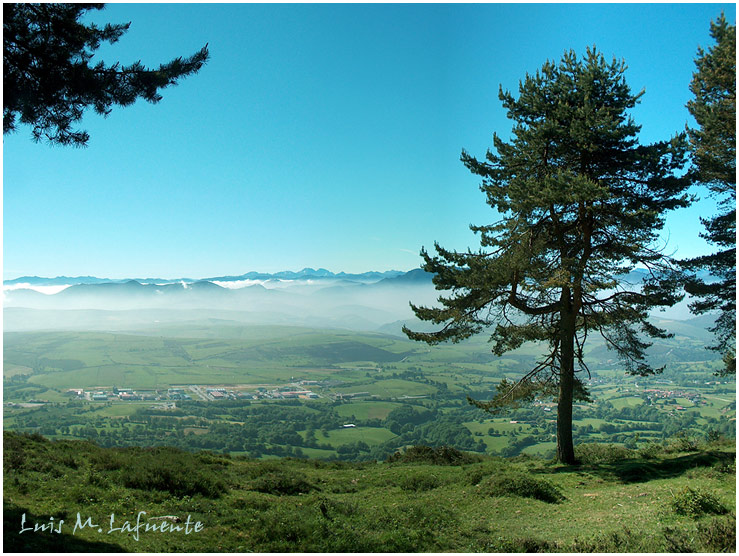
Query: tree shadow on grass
640, 470
40, 541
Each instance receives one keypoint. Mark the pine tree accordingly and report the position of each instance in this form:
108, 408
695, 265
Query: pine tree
580, 205
714, 164
48, 81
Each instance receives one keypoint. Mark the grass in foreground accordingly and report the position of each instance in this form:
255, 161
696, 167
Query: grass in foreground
663, 498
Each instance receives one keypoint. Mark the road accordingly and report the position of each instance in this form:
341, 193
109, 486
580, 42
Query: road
198, 391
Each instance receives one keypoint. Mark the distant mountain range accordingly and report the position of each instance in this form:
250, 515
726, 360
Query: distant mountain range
309, 297
370, 301
305, 274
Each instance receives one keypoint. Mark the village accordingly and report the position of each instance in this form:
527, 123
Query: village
303, 390
295, 390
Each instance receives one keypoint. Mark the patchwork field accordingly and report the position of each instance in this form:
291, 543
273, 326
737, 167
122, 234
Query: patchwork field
395, 391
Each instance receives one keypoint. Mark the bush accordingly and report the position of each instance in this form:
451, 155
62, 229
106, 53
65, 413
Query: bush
66, 459
165, 469
443, 455
726, 467
681, 442
718, 535
713, 435
173, 479
475, 474
695, 503
280, 483
650, 450
520, 484
417, 482
111, 459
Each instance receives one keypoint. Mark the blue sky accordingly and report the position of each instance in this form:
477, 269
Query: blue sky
318, 135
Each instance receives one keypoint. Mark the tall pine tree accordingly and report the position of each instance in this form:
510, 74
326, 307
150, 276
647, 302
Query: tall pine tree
714, 163
581, 204
48, 81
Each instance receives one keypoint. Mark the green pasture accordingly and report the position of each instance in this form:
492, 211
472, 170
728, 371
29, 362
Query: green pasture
540, 449
123, 409
590, 421
495, 443
391, 388
11, 369
369, 435
367, 410
86, 359
627, 401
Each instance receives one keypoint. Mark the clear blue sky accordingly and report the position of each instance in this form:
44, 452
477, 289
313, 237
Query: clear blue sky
317, 135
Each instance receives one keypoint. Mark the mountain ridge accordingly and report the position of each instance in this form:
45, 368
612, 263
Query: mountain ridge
305, 273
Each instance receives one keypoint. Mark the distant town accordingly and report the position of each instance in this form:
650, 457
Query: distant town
198, 392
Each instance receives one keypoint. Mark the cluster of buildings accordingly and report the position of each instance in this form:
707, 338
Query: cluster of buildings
223, 394
298, 390
655, 393
286, 393
123, 394
342, 396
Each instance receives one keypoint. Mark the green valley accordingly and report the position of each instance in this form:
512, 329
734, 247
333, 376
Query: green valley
268, 391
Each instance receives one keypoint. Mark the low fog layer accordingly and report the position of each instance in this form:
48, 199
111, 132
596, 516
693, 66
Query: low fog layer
366, 302
359, 302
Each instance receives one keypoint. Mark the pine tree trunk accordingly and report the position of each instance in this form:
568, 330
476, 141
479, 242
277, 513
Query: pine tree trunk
565, 447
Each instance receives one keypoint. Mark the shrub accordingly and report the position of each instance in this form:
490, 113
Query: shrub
66, 459
281, 529
24, 451
695, 503
331, 508
650, 450
107, 460
416, 482
443, 455
475, 474
520, 484
719, 534
175, 480
280, 483
681, 442
726, 467
262, 467
165, 469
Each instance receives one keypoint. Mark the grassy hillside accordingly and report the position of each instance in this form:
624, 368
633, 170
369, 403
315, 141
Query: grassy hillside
674, 497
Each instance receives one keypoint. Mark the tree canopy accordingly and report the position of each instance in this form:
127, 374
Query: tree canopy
48, 79
580, 205
714, 165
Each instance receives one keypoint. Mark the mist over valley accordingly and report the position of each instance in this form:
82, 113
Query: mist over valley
369, 301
